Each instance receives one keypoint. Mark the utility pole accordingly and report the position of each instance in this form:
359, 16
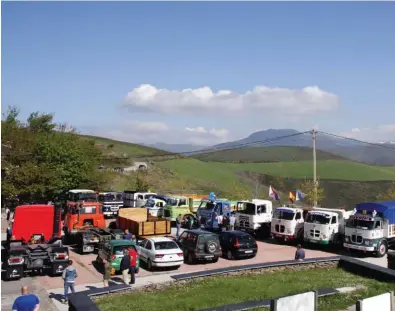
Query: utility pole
256, 187
315, 167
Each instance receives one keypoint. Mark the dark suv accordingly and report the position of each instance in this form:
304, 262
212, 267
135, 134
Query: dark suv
238, 244
199, 245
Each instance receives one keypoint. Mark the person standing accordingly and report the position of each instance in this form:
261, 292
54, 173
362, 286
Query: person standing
133, 263
107, 273
26, 302
232, 221
127, 235
220, 220
69, 275
125, 265
8, 213
178, 225
299, 254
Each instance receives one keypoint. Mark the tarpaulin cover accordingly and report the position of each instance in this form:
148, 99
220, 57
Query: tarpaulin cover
384, 209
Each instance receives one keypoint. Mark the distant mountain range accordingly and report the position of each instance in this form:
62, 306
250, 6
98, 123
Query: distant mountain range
370, 154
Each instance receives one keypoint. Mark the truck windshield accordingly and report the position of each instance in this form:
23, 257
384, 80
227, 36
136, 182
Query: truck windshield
87, 197
207, 205
110, 197
318, 219
284, 215
250, 209
87, 210
360, 224
150, 203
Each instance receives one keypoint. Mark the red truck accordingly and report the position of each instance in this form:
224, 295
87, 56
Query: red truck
36, 244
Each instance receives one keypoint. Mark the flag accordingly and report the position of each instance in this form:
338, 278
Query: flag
273, 194
299, 195
292, 196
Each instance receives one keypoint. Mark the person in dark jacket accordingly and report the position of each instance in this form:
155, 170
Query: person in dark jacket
125, 265
299, 254
127, 235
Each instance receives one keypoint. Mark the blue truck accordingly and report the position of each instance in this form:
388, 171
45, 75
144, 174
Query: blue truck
210, 208
371, 229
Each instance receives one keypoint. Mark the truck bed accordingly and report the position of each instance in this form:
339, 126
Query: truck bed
140, 224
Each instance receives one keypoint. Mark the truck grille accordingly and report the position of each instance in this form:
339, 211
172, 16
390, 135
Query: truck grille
244, 222
356, 239
315, 233
279, 228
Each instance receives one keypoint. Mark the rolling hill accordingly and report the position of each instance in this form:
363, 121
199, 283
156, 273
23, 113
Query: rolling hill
267, 155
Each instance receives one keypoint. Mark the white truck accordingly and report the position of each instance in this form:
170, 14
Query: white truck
133, 198
325, 225
287, 223
111, 201
254, 216
372, 228
155, 205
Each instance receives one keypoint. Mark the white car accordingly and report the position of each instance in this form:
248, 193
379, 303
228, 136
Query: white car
160, 252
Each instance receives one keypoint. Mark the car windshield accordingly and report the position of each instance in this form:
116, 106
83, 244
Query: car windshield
360, 224
87, 196
207, 237
118, 249
321, 219
250, 209
165, 245
285, 215
111, 197
207, 205
150, 203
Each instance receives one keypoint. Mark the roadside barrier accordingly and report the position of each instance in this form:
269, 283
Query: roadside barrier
82, 301
391, 260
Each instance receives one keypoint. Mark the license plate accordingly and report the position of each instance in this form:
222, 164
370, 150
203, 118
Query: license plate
248, 252
208, 256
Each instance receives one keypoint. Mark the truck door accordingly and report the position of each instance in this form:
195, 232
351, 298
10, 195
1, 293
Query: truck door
378, 229
334, 227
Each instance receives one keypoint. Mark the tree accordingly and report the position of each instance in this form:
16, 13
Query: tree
43, 163
307, 187
238, 192
388, 195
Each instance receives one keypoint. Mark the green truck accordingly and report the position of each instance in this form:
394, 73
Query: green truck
180, 205
112, 251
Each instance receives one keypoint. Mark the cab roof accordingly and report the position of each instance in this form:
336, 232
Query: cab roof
81, 191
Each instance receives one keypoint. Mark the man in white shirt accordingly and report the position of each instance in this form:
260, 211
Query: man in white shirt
220, 219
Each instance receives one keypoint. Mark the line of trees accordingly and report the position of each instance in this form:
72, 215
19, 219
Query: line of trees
42, 159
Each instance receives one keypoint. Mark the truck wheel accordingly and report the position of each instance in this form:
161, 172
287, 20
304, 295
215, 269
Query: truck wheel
382, 249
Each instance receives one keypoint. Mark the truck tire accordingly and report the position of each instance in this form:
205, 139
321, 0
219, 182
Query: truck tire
382, 249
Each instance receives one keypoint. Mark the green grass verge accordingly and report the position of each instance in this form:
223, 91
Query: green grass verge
219, 291
329, 169
267, 154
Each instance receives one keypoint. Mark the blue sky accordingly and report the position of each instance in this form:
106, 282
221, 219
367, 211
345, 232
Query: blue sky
80, 61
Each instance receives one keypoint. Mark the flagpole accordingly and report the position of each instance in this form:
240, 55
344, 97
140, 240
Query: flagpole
315, 168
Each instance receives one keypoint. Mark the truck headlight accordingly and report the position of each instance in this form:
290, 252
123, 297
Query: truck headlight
367, 242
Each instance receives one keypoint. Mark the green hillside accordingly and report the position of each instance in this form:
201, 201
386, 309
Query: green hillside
120, 148
267, 154
327, 169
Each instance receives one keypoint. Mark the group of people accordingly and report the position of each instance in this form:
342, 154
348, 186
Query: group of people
226, 223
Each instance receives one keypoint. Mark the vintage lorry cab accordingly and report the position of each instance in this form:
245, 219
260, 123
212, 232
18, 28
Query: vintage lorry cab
78, 195
155, 205
211, 207
177, 205
325, 225
254, 216
371, 228
287, 223
36, 245
132, 198
111, 201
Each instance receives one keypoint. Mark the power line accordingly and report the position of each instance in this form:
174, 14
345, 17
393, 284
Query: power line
358, 141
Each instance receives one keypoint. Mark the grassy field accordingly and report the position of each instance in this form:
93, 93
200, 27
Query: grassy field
110, 146
267, 154
330, 169
219, 291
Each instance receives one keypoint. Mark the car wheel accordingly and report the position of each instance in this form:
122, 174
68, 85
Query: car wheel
229, 255
149, 265
190, 259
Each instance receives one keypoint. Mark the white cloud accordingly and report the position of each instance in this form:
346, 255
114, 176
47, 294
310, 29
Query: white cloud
380, 133
198, 129
148, 126
262, 99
